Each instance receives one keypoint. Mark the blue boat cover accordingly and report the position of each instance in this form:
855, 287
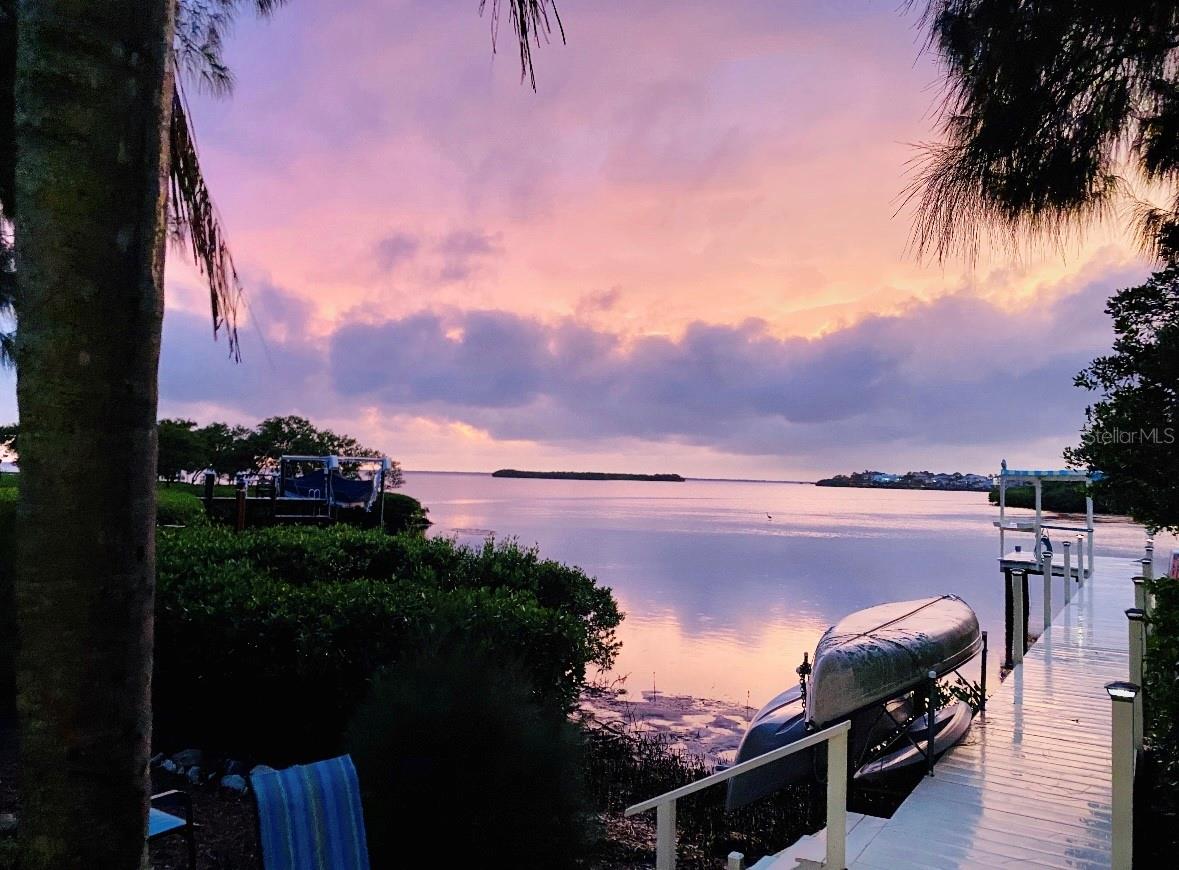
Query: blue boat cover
310, 485
345, 491
310, 817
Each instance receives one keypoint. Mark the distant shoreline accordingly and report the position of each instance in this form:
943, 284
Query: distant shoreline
586, 475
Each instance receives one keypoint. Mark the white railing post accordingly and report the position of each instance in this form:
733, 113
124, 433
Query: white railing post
1137, 652
1089, 532
1081, 560
665, 836
1039, 509
1018, 631
736, 861
1002, 515
1150, 554
837, 801
835, 736
1068, 571
1048, 598
1122, 696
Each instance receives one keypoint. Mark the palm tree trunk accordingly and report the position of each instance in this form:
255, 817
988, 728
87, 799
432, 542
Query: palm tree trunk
93, 96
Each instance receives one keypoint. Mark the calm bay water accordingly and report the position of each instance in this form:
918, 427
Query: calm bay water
725, 584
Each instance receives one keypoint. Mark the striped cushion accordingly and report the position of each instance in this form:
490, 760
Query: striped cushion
160, 822
310, 817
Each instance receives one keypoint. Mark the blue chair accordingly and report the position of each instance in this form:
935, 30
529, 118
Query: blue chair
162, 820
310, 817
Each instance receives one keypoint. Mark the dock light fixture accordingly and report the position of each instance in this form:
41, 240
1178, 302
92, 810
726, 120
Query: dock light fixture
1121, 690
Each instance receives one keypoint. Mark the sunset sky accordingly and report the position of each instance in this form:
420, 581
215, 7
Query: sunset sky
682, 253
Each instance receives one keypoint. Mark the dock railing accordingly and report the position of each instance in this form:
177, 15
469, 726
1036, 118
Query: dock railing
836, 739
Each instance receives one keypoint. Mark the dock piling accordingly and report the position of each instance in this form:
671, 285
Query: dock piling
1068, 570
1141, 596
1137, 623
1122, 696
1081, 560
930, 717
239, 523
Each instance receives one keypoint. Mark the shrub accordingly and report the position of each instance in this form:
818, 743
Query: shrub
403, 513
1161, 692
178, 507
266, 640
1061, 497
457, 734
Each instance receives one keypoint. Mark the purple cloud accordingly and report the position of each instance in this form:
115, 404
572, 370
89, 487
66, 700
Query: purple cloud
461, 253
395, 249
936, 378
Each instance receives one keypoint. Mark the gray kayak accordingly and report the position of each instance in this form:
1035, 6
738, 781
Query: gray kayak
882, 651
864, 666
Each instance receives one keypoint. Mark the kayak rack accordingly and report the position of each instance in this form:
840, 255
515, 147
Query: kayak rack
928, 689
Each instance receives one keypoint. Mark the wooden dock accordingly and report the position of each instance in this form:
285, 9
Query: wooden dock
1031, 784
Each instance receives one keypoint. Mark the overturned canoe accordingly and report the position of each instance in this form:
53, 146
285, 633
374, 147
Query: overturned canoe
881, 652
864, 668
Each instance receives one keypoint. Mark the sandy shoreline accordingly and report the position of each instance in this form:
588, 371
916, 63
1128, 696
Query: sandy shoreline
696, 726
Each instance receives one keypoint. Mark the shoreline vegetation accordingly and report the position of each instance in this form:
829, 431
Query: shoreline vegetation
1062, 498
586, 475
953, 482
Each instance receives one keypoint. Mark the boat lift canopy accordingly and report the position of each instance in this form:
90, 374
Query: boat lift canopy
1037, 474
1036, 477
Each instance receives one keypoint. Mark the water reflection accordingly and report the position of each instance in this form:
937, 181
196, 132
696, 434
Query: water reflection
725, 584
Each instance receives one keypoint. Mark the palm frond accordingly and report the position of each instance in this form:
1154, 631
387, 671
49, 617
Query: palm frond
530, 21
201, 28
195, 224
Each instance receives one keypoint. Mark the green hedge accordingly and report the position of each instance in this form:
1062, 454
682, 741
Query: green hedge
177, 506
1155, 811
266, 640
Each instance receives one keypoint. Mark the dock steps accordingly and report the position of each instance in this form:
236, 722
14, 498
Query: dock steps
809, 851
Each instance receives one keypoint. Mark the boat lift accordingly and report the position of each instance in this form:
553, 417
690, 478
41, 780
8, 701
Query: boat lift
1036, 477
1017, 565
302, 489
326, 487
